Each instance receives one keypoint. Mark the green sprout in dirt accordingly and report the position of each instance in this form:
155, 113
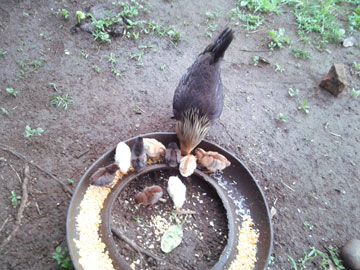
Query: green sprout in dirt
319, 17
261, 5
293, 92
357, 68
279, 68
138, 219
355, 93
113, 60
301, 54
4, 111
65, 13
64, 100
14, 199
70, 181
80, 16
2, 52
315, 254
25, 14
256, 60
250, 21
281, 117
278, 40
354, 19
53, 85
305, 107
36, 63
96, 68
84, 54
12, 92
162, 67
62, 258
33, 132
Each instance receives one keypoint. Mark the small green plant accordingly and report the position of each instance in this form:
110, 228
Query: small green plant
70, 181
279, 68
250, 21
25, 14
80, 16
84, 54
281, 117
14, 199
319, 17
2, 52
65, 13
64, 100
12, 92
36, 63
278, 40
4, 111
53, 85
62, 258
304, 106
162, 67
293, 92
357, 68
138, 219
261, 5
112, 58
355, 93
96, 68
301, 54
256, 60
33, 132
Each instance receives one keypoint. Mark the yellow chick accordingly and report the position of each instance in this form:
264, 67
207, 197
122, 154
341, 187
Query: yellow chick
187, 165
153, 148
212, 161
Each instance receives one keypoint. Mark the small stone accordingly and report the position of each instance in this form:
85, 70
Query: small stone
349, 42
335, 81
350, 253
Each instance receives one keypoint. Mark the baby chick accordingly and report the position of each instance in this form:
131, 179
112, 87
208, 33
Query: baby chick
149, 195
154, 148
123, 157
212, 161
177, 191
104, 176
173, 154
187, 165
138, 155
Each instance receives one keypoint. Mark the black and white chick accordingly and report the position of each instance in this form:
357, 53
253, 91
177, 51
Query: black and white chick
172, 154
138, 155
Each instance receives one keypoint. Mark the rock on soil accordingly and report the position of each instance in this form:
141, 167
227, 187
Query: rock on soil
335, 81
351, 254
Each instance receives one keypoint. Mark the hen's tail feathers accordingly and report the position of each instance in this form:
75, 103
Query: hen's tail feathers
219, 46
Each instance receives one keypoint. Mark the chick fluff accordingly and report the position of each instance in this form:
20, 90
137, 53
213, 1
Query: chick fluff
138, 155
212, 161
149, 195
154, 148
187, 165
177, 191
104, 176
123, 157
173, 154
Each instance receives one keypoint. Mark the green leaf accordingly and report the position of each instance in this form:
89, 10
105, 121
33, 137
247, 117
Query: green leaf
172, 238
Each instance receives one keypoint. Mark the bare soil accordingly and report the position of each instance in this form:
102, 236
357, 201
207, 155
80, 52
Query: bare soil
308, 166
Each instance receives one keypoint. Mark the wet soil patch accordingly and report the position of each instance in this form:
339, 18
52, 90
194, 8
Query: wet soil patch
205, 233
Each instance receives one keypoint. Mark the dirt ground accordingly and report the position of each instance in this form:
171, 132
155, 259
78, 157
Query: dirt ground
307, 166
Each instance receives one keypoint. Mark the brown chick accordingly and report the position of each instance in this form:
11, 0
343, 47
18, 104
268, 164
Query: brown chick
104, 176
154, 149
149, 195
212, 161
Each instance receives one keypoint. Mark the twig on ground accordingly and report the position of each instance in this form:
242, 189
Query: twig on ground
287, 186
332, 133
65, 188
24, 199
18, 176
2, 227
131, 243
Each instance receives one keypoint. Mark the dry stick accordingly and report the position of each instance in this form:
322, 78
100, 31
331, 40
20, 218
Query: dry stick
131, 243
332, 133
18, 176
63, 185
20, 212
